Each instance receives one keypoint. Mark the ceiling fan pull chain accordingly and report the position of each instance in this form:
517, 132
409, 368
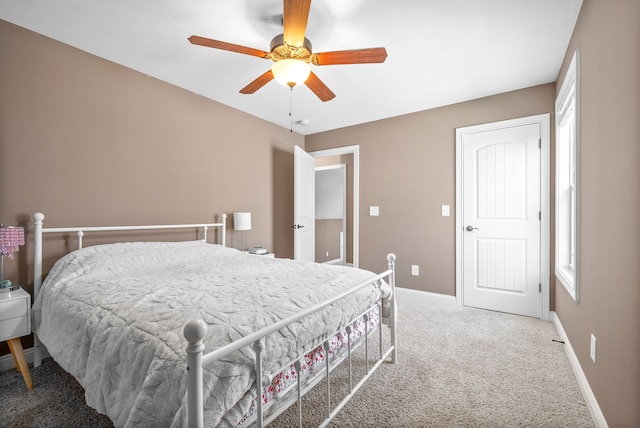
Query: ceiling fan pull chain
291, 109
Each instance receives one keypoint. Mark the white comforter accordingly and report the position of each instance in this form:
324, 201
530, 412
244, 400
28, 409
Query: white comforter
113, 316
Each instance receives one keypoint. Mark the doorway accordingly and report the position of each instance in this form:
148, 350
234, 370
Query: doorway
331, 214
502, 216
351, 156
304, 201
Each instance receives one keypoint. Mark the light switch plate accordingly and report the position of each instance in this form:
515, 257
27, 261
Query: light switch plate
446, 211
374, 211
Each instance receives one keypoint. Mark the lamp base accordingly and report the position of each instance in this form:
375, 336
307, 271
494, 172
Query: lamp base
7, 287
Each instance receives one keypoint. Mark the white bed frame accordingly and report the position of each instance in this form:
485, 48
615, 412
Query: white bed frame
195, 330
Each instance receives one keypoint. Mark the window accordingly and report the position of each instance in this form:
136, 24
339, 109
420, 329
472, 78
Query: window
567, 179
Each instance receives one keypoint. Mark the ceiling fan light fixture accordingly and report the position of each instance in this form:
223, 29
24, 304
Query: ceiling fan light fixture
293, 55
291, 72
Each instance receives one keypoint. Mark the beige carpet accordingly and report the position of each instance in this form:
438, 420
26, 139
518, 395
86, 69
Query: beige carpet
458, 367
464, 367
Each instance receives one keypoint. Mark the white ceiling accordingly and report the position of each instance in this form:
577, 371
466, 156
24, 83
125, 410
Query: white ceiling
440, 52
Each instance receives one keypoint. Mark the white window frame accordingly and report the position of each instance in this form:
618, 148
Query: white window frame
567, 180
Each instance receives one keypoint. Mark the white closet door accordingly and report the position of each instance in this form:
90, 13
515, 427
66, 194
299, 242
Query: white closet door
501, 205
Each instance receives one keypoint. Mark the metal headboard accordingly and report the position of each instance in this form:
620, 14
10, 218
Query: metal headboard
39, 230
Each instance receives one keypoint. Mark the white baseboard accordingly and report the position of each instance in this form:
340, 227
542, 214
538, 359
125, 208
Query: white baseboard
587, 393
7, 363
444, 299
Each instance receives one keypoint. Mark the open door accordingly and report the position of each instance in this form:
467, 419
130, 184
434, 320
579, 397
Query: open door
303, 205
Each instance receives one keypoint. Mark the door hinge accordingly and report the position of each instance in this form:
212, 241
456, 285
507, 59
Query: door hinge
539, 287
539, 143
539, 215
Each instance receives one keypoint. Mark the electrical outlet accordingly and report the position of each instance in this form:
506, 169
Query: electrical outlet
415, 270
593, 348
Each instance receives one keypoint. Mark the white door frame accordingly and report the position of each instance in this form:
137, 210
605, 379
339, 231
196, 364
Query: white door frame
355, 150
543, 120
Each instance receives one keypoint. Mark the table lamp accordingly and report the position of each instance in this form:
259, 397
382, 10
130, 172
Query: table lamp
242, 222
10, 239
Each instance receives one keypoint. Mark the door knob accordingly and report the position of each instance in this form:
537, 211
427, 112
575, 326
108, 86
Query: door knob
470, 228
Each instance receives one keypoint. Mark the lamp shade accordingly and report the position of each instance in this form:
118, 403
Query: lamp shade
242, 221
291, 72
10, 239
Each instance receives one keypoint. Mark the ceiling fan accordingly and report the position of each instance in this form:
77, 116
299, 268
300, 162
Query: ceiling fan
292, 55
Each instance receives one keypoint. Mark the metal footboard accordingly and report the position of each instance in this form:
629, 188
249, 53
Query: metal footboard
196, 330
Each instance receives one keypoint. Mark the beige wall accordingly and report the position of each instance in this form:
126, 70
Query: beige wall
407, 168
328, 240
608, 37
89, 142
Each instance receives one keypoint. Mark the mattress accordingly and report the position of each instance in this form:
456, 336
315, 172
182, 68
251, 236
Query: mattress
113, 315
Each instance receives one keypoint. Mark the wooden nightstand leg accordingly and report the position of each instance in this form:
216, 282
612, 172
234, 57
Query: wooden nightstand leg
21, 362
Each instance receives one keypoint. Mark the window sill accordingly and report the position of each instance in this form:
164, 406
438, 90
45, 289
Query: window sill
568, 279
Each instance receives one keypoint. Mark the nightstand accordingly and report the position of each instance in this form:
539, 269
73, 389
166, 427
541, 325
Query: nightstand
268, 255
15, 322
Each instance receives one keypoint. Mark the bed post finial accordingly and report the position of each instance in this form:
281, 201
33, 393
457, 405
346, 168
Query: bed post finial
194, 332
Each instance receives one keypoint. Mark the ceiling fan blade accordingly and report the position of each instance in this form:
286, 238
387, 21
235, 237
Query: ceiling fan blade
264, 78
319, 88
355, 56
217, 44
296, 13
